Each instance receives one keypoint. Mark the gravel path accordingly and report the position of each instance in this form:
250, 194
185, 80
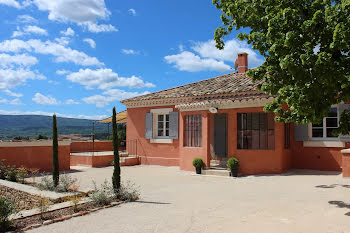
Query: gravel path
177, 201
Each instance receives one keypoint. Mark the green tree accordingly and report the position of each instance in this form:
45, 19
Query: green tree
116, 171
55, 167
306, 48
41, 137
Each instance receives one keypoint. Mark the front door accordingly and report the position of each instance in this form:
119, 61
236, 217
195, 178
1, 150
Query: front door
220, 135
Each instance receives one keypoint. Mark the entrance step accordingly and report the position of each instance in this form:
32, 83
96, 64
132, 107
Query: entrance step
216, 172
215, 163
123, 154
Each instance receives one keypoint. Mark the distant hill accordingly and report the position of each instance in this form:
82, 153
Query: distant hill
32, 125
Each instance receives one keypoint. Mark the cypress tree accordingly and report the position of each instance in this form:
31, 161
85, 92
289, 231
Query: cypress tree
116, 171
55, 167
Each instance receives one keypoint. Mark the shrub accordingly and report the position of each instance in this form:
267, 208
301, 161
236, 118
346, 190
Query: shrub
7, 208
66, 183
33, 173
103, 195
22, 173
46, 183
3, 169
75, 200
198, 163
128, 192
232, 163
43, 205
11, 173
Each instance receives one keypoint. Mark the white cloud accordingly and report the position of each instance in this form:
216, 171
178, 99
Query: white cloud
132, 11
62, 53
206, 56
11, 102
130, 51
12, 3
110, 96
187, 61
7, 60
27, 30
229, 53
26, 19
96, 28
10, 78
68, 32
16, 4
10, 93
85, 13
181, 48
74, 10
96, 117
105, 79
44, 100
91, 42
64, 40
53, 82
62, 72
71, 101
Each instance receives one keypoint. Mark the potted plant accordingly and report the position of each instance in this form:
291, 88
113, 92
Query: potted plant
198, 164
233, 165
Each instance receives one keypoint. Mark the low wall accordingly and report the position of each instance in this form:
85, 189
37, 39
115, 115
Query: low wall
36, 154
99, 159
87, 146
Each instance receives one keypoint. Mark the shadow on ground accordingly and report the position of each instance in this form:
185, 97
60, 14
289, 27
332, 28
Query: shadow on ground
332, 186
341, 204
153, 202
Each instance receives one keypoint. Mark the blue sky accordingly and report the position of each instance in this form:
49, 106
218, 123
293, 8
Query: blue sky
80, 58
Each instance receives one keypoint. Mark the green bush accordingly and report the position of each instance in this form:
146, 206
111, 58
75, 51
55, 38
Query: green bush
102, 195
3, 170
128, 192
232, 163
7, 207
11, 173
66, 183
198, 163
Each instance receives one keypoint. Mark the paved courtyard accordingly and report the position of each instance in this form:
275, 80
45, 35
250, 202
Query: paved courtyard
178, 201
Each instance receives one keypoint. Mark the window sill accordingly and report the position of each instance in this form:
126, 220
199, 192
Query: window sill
319, 143
161, 140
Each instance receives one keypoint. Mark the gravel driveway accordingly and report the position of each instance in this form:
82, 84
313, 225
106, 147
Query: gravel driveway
178, 201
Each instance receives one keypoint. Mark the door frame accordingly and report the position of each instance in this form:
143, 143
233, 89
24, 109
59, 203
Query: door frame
226, 137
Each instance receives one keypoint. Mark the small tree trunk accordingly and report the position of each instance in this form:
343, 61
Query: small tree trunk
55, 167
116, 171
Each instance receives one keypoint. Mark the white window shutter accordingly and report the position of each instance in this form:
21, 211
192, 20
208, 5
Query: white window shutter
149, 126
173, 125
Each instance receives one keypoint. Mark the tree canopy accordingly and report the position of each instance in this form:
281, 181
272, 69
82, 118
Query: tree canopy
306, 46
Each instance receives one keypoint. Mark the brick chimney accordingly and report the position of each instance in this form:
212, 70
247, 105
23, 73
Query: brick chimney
242, 62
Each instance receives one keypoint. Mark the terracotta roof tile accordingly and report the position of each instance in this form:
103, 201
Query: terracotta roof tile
229, 84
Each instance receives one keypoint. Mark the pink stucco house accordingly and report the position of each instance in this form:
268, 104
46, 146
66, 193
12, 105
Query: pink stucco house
223, 117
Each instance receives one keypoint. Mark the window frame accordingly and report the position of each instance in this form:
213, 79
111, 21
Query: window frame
324, 128
244, 127
199, 131
155, 112
165, 128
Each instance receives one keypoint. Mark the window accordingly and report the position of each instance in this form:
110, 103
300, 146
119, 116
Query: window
163, 125
287, 136
255, 131
327, 126
193, 130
